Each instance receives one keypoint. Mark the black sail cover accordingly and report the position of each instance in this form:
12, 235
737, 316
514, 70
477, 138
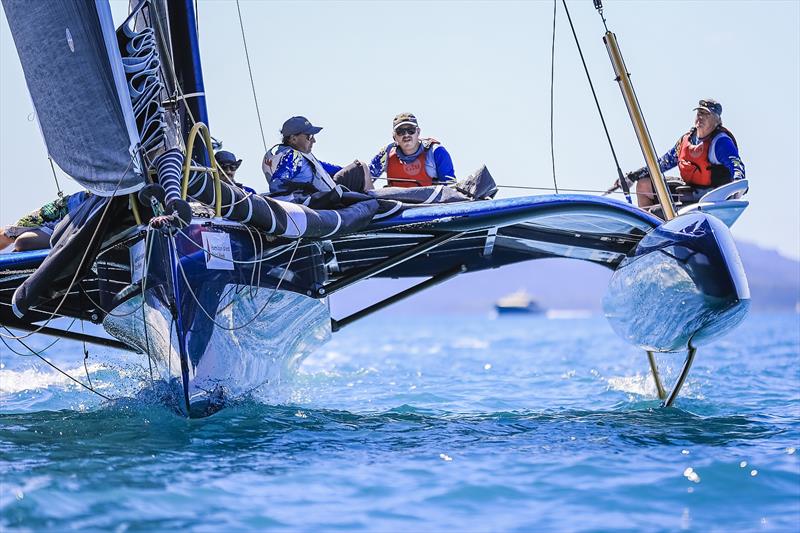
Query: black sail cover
68, 50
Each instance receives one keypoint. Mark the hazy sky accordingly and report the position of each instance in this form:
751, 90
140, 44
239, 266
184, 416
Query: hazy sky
477, 75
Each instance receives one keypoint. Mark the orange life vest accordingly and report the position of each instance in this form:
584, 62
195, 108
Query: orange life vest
694, 164
413, 174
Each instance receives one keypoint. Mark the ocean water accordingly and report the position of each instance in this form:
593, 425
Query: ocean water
466, 423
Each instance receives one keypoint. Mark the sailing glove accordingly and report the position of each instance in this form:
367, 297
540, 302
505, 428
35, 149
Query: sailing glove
638, 174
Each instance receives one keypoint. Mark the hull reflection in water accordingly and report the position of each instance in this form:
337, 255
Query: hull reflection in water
684, 284
234, 360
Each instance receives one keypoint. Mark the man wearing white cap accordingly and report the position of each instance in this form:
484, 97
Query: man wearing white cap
410, 161
707, 157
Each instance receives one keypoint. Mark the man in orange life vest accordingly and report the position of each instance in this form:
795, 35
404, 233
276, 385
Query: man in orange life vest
410, 161
707, 156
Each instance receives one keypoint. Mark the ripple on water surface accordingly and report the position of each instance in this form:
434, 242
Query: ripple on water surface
502, 430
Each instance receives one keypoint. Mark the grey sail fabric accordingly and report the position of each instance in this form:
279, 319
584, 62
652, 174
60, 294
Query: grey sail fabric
69, 53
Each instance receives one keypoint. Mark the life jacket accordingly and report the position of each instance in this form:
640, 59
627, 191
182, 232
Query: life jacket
694, 162
418, 173
314, 173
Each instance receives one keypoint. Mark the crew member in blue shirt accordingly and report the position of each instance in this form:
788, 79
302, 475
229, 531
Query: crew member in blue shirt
410, 161
707, 157
294, 173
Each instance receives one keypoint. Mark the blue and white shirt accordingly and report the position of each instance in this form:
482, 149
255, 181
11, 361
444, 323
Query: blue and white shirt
291, 172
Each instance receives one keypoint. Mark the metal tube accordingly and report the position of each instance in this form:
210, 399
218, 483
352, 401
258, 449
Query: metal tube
642, 133
662, 394
66, 334
337, 325
687, 364
388, 263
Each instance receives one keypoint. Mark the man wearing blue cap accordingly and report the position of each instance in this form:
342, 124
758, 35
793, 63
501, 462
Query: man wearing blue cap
707, 157
294, 173
228, 163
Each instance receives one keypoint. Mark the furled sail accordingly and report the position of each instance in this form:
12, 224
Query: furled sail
69, 53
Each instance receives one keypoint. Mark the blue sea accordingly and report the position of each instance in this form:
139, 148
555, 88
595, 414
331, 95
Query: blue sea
445, 423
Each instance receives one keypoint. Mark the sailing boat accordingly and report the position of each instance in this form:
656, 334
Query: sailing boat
222, 291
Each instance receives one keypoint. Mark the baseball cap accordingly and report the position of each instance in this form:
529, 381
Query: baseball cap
712, 106
403, 119
225, 158
297, 125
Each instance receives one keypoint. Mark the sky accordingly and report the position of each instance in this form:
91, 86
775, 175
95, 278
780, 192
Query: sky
477, 76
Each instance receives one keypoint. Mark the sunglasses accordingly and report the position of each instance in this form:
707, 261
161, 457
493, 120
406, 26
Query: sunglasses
408, 130
230, 168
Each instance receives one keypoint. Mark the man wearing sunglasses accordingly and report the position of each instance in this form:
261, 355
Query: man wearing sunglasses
410, 161
294, 173
228, 164
707, 157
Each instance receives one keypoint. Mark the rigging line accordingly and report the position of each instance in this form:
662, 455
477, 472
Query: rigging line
35, 117
82, 261
145, 274
85, 350
269, 299
55, 178
40, 356
598, 5
621, 178
250, 71
550, 189
43, 349
234, 261
145, 270
552, 86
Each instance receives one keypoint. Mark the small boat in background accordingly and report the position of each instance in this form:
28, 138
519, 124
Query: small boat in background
519, 302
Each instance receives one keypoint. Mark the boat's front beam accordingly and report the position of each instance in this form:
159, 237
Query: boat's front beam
388, 263
66, 334
336, 325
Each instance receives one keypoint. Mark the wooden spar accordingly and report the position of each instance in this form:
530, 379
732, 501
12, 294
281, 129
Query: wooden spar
642, 133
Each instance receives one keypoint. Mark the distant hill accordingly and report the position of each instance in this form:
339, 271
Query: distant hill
564, 284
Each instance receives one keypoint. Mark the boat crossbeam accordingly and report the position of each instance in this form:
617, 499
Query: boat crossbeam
388, 263
66, 334
336, 325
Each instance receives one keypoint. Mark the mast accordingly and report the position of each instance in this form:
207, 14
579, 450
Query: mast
639, 125
186, 56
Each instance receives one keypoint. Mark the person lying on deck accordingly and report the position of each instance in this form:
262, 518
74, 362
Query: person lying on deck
410, 161
33, 231
294, 174
707, 157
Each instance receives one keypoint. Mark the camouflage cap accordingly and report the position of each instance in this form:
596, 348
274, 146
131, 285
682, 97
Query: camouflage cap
403, 119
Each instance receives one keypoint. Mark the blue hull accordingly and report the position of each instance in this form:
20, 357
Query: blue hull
684, 284
217, 330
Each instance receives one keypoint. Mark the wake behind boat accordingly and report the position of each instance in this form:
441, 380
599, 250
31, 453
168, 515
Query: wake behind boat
223, 291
